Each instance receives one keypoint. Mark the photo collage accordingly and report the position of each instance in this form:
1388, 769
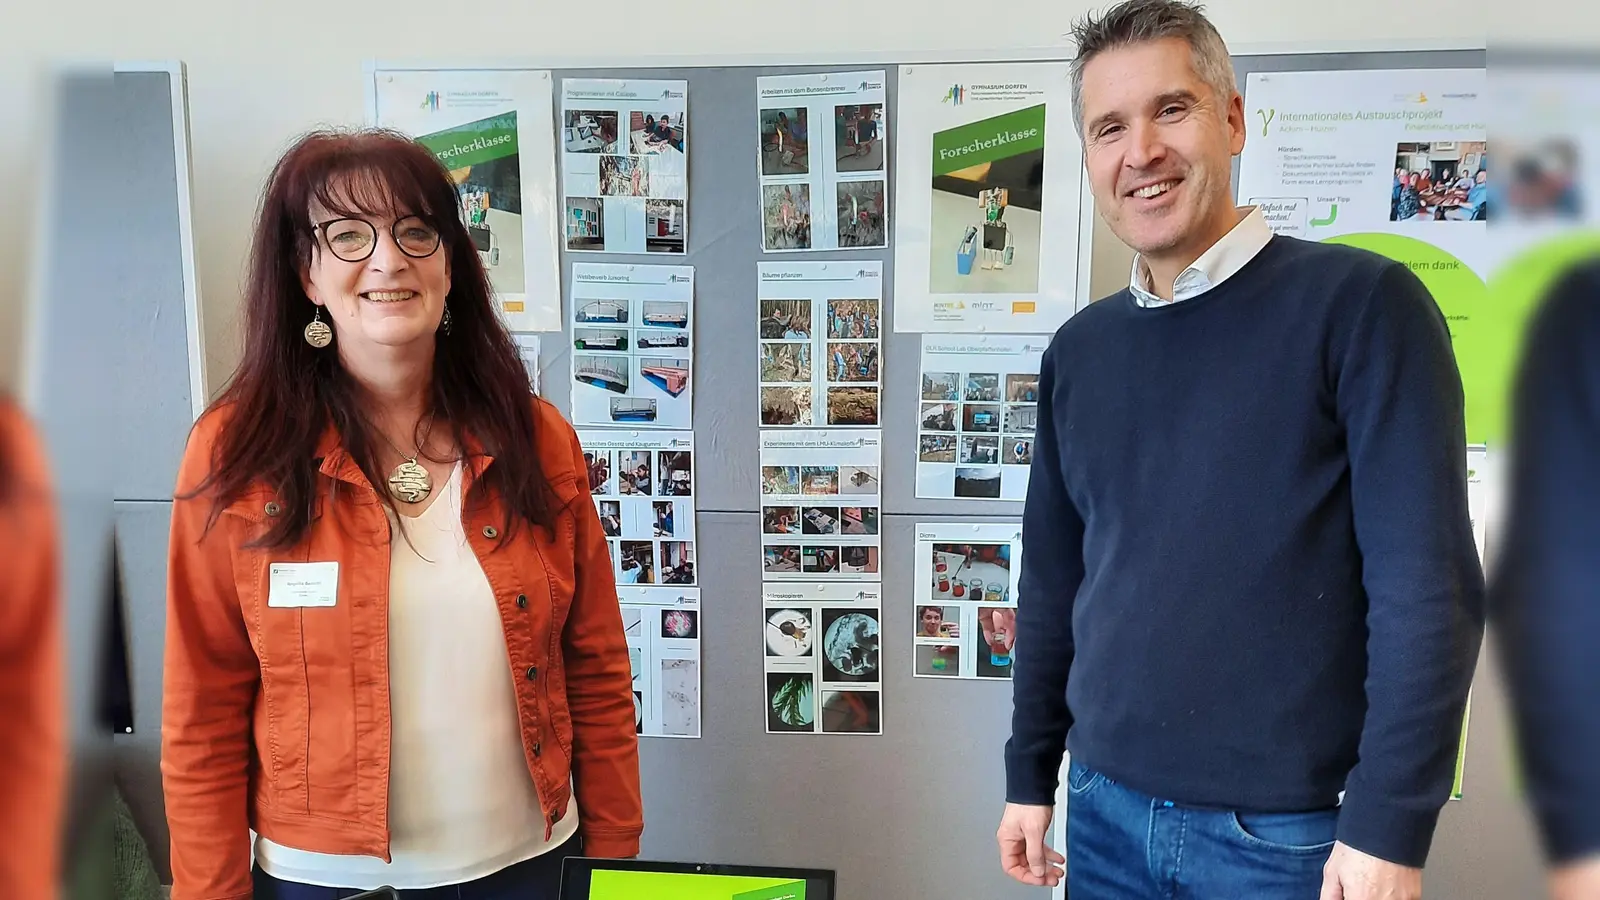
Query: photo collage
632, 345
823, 161
643, 487
821, 330
663, 629
820, 506
976, 416
823, 659
624, 165
966, 592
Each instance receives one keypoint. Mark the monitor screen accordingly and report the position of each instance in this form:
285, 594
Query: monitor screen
601, 879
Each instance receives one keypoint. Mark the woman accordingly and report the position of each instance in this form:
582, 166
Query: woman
394, 647
33, 746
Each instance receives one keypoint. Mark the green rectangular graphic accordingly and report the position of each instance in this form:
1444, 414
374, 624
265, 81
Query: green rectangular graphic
987, 140
475, 142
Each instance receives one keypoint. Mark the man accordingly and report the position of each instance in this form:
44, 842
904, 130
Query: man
1250, 599
1545, 592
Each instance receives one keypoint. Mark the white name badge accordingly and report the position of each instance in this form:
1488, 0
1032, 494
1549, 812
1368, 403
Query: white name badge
303, 584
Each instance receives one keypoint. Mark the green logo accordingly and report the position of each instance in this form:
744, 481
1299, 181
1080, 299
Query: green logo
1267, 115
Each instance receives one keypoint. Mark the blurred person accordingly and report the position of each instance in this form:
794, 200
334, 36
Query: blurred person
33, 745
394, 649
1251, 616
1545, 585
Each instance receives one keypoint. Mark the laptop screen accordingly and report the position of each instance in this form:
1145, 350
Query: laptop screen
595, 879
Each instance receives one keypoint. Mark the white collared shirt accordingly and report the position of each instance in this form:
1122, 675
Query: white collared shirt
1216, 265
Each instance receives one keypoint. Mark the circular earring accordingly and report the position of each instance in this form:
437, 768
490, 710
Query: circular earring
318, 334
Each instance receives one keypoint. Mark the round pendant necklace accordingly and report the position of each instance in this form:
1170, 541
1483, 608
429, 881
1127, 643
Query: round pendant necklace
410, 481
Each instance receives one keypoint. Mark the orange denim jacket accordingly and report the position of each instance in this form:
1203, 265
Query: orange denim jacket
277, 718
33, 740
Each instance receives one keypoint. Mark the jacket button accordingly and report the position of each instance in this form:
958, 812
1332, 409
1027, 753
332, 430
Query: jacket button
522, 601
535, 748
273, 508
533, 672
491, 532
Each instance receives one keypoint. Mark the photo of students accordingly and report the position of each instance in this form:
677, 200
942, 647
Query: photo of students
1440, 181
938, 622
786, 216
858, 132
784, 148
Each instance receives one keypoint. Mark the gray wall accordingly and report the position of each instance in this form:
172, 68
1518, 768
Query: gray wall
905, 815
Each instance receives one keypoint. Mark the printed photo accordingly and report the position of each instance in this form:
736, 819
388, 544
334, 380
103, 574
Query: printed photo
680, 697
819, 520
853, 361
938, 659
664, 516
996, 637
978, 482
781, 362
665, 313
1018, 452
853, 320
785, 142
859, 128
786, 216
982, 417
599, 463
1021, 419
1440, 181
985, 218
632, 619
975, 572
637, 562
602, 311
780, 520
938, 621
780, 480
941, 386
607, 372
819, 481
1545, 175
939, 416
677, 562
600, 339
632, 409
791, 701
983, 387
610, 517
676, 473
858, 519
937, 448
858, 480
663, 226
1022, 388
624, 176
655, 339
852, 406
591, 131
861, 214
586, 223
858, 560
789, 633
633, 473
780, 558
786, 320
816, 560
849, 645
680, 624
668, 374
851, 712
980, 450
786, 405
656, 133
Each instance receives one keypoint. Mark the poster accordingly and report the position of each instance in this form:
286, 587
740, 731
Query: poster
1396, 162
975, 419
643, 487
966, 590
823, 161
663, 629
823, 670
821, 332
987, 204
625, 165
492, 129
632, 345
820, 505
528, 352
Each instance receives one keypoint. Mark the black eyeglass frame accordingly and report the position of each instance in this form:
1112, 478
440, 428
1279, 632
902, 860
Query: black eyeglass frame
322, 227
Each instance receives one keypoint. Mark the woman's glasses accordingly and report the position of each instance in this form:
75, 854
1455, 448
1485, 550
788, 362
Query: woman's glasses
353, 240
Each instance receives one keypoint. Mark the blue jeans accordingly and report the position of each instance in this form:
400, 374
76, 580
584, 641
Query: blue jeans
538, 878
1125, 845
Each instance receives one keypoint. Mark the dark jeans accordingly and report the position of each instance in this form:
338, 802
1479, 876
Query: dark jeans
1124, 845
535, 879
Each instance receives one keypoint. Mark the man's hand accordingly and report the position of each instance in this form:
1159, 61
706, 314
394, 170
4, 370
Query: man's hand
1353, 875
1578, 881
1023, 853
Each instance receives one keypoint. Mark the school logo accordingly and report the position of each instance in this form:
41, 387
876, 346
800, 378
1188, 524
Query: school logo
1267, 115
955, 95
430, 102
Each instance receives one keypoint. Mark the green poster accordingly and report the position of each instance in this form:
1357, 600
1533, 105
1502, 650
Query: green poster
605, 885
475, 142
987, 140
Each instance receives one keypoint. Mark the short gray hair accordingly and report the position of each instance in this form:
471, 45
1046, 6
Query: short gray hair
1140, 21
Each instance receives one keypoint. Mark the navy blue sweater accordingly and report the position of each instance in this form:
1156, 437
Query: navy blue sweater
1545, 597
1248, 575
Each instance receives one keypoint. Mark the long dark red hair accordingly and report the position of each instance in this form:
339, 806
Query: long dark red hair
286, 392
